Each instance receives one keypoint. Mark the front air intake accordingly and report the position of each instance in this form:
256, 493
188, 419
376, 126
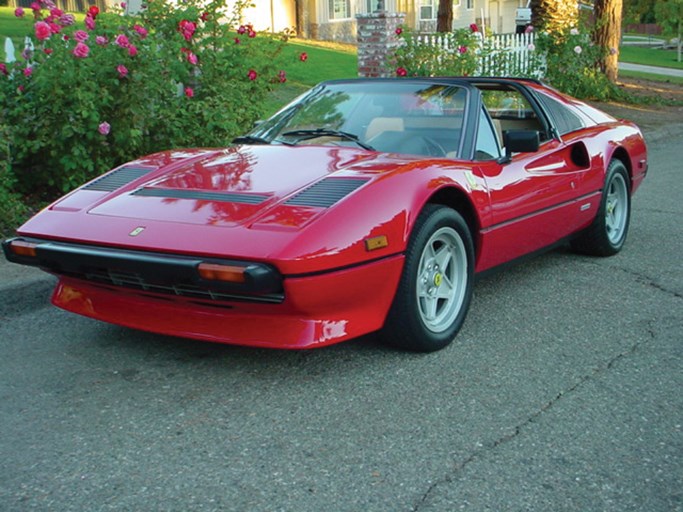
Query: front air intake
326, 192
117, 179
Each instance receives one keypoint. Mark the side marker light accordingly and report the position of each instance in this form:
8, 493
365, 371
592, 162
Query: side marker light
376, 242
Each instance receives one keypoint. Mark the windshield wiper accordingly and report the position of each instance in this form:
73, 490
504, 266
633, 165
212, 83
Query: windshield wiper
250, 139
322, 132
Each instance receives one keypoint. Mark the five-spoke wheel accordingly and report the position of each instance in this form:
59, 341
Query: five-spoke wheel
436, 286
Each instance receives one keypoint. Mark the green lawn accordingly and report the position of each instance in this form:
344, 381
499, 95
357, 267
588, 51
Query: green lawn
649, 56
323, 63
11, 26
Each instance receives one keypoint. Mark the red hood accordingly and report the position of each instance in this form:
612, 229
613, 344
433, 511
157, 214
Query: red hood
231, 186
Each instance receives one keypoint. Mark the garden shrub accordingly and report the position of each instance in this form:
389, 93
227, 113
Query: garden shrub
12, 210
572, 65
444, 54
178, 75
566, 59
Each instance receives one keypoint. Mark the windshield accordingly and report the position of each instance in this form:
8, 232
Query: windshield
414, 118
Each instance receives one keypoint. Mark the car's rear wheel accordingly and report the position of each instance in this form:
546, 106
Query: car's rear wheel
607, 234
435, 290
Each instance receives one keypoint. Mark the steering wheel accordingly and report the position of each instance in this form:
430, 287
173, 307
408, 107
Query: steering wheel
434, 148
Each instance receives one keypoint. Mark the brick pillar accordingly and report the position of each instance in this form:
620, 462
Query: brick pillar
377, 40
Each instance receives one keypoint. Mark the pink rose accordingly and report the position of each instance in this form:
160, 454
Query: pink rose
252, 33
529, 29
56, 12
401, 71
241, 30
142, 31
28, 71
19, 12
192, 58
123, 5
123, 70
67, 20
54, 28
187, 28
89, 22
42, 30
81, 50
132, 50
101, 40
104, 128
189, 92
252, 75
462, 49
122, 41
81, 36
35, 7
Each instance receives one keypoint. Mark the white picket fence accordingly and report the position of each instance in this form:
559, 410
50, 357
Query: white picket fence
10, 52
499, 55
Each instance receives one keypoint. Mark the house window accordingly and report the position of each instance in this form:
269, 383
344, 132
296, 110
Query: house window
427, 9
470, 4
340, 9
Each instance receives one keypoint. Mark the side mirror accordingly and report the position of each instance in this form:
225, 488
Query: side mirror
520, 141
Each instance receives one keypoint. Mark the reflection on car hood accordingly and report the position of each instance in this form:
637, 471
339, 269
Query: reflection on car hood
237, 185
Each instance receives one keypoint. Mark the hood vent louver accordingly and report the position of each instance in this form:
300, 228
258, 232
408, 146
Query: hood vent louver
117, 179
326, 192
202, 195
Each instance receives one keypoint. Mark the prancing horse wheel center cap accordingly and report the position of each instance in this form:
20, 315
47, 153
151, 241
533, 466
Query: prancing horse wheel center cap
437, 279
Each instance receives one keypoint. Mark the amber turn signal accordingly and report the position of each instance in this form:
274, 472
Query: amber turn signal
22, 248
217, 272
377, 242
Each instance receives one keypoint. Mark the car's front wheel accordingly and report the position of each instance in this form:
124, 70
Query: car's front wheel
435, 290
607, 234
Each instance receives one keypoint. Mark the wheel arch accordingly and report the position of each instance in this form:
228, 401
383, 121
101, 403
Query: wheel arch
622, 155
456, 198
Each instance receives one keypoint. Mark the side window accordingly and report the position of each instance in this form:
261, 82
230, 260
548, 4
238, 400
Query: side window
510, 110
565, 120
487, 147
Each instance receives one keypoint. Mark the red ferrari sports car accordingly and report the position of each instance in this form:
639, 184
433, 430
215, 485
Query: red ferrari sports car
364, 205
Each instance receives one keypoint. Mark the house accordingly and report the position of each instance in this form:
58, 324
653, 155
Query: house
335, 20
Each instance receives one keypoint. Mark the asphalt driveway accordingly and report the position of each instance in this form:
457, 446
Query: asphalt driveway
561, 393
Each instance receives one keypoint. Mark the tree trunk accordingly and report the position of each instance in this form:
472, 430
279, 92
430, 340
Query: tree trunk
607, 34
444, 16
554, 15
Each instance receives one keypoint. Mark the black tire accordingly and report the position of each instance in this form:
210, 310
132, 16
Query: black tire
435, 290
607, 234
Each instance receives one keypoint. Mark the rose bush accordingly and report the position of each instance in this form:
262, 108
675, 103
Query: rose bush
449, 54
84, 101
572, 65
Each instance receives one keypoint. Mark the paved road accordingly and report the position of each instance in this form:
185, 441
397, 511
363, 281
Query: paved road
562, 393
655, 70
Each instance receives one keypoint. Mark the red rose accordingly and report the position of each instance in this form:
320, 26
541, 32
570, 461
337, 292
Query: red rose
43, 30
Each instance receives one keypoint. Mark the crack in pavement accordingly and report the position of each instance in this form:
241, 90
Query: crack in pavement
517, 430
648, 281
